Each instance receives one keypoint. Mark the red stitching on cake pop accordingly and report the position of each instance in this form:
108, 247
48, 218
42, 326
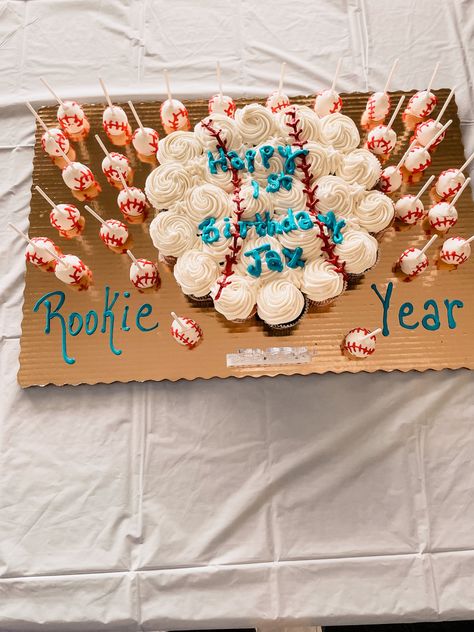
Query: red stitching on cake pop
85, 178
336, 106
353, 346
177, 333
108, 125
65, 121
380, 142
109, 238
140, 279
430, 105
71, 215
457, 257
174, 121
129, 205
448, 222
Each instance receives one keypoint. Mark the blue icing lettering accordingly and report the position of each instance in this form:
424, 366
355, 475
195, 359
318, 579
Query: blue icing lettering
333, 225
235, 161
406, 309
109, 315
91, 315
214, 162
250, 158
54, 313
385, 300
293, 257
450, 305
256, 189
73, 316
266, 152
290, 156
431, 321
144, 311
273, 261
304, 220
278, 180
255, 269
210, 232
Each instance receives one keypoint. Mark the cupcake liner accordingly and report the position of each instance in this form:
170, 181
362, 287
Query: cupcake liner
239, 321
351, 277
170, 261
292, 323
201, 299
328, 301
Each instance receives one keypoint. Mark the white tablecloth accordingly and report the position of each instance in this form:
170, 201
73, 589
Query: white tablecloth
321, 499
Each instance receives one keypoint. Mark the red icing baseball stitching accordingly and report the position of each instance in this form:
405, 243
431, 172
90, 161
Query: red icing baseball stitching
456, 256
353, 346
380, 142
174, 122
443, 221
336, 106
71, 215
86, 177
311, 200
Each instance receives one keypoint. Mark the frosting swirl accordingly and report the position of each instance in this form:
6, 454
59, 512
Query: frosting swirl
317, 158
340, 132
255, 123
179, 147
237, 298
295, 198
306, 120
220, 248
360, 167
309, 240
166, 184
226, 127
264, 202
206, 200
279, 302
334, 194
358, 249
375, 211
321, 281
196, 271
172, 234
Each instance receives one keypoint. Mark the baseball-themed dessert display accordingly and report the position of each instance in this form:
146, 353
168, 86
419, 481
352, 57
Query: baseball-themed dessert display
329, 101
409, 208
378, 104
269, 222
413, 261
65, 218
185, 331
115, 121
360, 342
443, 215
70, 116
420, 105
54, 142
174, 116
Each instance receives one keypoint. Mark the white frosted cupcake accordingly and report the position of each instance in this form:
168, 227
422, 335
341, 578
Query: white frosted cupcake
295, 198
360, 167
322, 283
358, 250
166, 184
235, 297
221, 247
172, 234
179, 147
307, 124
255, 123
280, 304
334, 194
227, 129
340, 132
252, 205
375, 211
196, 271
318, 160
206, 200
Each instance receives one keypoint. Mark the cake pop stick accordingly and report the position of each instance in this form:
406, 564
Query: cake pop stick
115, 121
278, 101
144, 274
425, 131
66, 218
115, 164
378, 104
419, 158
449, 182
41, 251
113, 233
179, 321
329, 101
221, 103
382, 139
426, 246
185, 331
144, 139
70, 116
372, 333
435, 72
443, 215
409, 208
391, 177
390, 75
467, 163
53, 141
420, 105
174, 116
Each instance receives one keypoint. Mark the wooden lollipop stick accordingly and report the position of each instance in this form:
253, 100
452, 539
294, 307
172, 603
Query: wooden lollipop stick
427, 245
44, 126
394, 67
182, 324
137, 118
167, 83
467, 163
282, 77
96, 215
438, 134
50, 89
134, 259
372, 333
446, 103
459, 193
336, 74
219, 80
396, 111
50, 201
106, 94
435, 71
424, 187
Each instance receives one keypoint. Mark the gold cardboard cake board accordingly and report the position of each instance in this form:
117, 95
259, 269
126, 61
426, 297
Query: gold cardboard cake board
313, 346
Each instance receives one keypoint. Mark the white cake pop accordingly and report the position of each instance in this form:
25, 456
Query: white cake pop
71, 117
114, 233
456, 250
449, 182
174, 116
145, 140
421, 104
378, 107
66, 218
39, 253
409, 208
115, 121
426, 131
442, 216
55, 141
328, 101
113, 163
185, 331
413, 262
381, 140
417, 160
132, 202
72, 271
390, 179
221, 103
360, 342
77, 176
277, 101
144, 274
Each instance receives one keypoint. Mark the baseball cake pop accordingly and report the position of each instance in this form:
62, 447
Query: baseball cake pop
40, 251
54, 142
360, 342
185, 331
443, 215
278, 100
409, 208
71, 117
133, 204
112, 232
144, 139
65, 218
378, 105
456, 250
381, 140
73, 272
144, 274
449, 182
115, 121
427, 131
420, 105
413, 262
115, 167
174, 115
328, 101
418, 158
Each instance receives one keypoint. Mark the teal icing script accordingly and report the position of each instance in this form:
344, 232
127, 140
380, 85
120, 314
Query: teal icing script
410, 318
74, 323
333, 225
